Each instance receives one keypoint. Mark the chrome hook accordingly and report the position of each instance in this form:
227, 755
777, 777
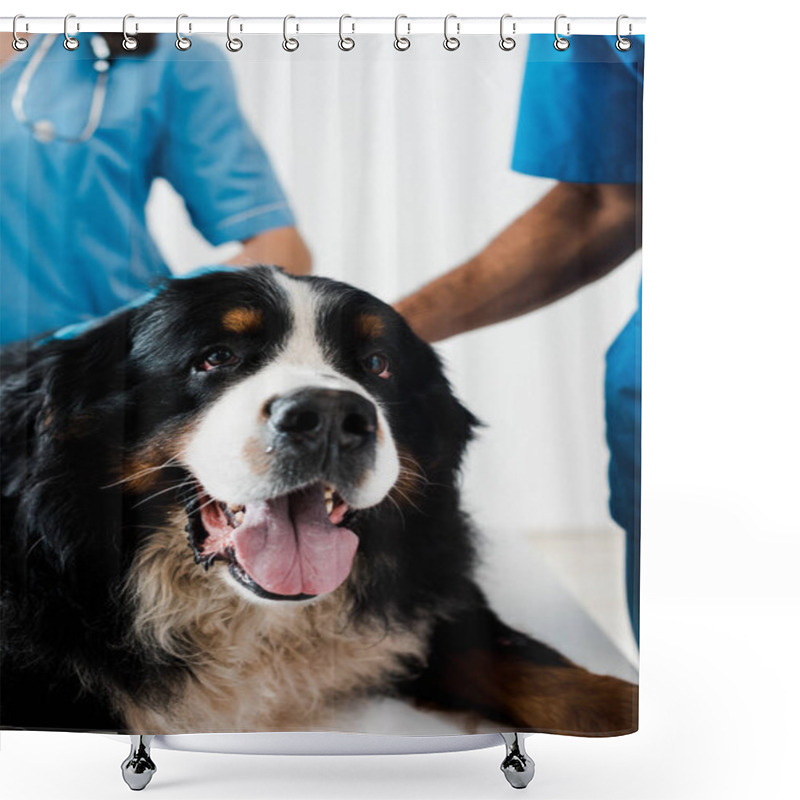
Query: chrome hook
561, 43
129, 42
346, 43
622, 43
19, 44
289, 44
507, 42
451, 42
233, 45
70, 42
401, 42
181, 42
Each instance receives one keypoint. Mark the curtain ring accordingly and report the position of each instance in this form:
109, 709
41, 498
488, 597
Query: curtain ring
622, 43
70, 42
233, 45
181, 42
561, 43
401, 43
507, 42
289, 44
451, 42
19, 44
346, 43
128, 42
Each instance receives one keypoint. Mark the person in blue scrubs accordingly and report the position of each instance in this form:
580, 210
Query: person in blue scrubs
83, 135
580, 123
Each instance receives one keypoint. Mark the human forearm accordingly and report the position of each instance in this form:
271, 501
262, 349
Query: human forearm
576, 234
283, 247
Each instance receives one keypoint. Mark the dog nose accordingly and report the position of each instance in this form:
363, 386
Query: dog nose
314, 418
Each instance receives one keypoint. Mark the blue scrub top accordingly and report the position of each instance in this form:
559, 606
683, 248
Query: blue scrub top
74, 244
580, 120
580, 114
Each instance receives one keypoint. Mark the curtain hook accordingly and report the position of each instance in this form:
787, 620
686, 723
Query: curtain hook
401, 43
70, 42
233, 45
19, 44
289, 44
451, 42
561, 43
346, 43
129, 42
507, 42
622, 43
181, 42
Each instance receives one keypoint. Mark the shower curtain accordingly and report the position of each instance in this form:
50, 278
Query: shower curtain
401, 496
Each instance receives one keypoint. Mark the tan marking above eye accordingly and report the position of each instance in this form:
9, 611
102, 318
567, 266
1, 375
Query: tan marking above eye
370, 326
243, 320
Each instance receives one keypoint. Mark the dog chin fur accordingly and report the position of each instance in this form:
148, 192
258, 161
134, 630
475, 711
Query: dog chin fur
289, 669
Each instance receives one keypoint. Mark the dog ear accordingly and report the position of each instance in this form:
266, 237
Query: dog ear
455, 425
437, 426
83, 371
66, 412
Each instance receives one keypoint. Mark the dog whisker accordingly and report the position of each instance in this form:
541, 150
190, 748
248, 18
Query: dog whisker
141, 473
399, 510
208, 502
173, 488
406, 498
408, 473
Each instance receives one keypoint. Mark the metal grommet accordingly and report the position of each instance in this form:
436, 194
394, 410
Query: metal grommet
346, 43
289, 44
507, 42
19, 44
401, 43
234, 45
70, 42
451, 42
128, 42
561, 44
181, 42
622, 43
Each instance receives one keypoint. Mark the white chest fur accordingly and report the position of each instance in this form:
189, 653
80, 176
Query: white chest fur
255, 666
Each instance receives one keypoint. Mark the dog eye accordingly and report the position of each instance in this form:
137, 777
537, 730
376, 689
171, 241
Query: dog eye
218, 357
377, 364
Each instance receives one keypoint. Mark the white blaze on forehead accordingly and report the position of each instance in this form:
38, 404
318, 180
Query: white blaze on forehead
302, 347
235, 425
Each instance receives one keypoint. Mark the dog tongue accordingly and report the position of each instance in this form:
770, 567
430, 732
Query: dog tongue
289, 546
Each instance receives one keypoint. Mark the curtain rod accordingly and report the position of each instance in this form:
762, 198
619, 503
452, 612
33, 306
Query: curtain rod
461, 26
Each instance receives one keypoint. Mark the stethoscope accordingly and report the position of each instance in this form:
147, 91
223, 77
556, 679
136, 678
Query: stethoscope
43, 129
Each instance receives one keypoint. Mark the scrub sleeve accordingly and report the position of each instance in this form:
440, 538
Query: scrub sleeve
580, 120
211, 156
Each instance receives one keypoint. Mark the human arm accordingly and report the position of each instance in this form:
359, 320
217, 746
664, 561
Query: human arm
282, 246
577, 233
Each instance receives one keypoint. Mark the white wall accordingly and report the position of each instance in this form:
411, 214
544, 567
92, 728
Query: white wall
397, 165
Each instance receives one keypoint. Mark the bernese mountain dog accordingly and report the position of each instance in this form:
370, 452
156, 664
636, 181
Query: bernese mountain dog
235, 507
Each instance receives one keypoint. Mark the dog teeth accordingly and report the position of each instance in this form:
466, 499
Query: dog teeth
329, 491
234, 515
